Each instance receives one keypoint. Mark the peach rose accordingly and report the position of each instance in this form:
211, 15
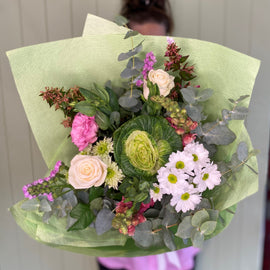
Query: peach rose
86, 171
164, 81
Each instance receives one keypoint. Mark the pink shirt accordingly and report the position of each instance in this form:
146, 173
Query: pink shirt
182, 259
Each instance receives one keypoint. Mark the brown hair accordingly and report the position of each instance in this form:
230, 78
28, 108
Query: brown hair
142, 11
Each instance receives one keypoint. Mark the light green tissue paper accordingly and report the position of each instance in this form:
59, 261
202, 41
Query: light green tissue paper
93, 58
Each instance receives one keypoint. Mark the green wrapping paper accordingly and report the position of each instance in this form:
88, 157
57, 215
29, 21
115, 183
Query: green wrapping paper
93, 58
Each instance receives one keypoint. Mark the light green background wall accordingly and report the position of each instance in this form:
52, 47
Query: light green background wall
242, 25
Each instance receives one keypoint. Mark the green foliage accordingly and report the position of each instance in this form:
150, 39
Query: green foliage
31, 205
86, 107
143, 236
103, 221
130, 53
120, 20
84, 216
131, 33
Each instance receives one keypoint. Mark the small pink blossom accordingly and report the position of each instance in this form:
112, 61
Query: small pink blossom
84, 130
188, 138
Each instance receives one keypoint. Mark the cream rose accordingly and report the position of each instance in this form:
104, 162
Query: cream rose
164, 81
86, 171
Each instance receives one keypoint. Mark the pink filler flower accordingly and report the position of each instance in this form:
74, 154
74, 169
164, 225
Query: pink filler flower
84, 130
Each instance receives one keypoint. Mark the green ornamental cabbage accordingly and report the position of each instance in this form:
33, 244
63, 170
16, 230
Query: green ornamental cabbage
143, 145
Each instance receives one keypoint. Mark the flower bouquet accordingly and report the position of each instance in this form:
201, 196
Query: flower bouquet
152, 154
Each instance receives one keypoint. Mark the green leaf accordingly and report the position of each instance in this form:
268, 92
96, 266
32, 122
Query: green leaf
127, 101
185, 228
143, 236
131, 33
197, 239
102, 93
130, 53
103, 221
113, 102
188, 95
170, 216
31, 205
217, 134
86, 107
213, 214
195, 112
102, 120
239, 113
95, 192
84, 217
129, 73
135, 62
204, 95
168, 239
242, 98
199, 217
88, 94
186, 76
120, 20
242, 151
45, 206
96, 204
115, 118
208, 227
134, 93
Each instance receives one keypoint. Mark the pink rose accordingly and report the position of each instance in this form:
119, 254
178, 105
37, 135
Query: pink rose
84, 130
86, 171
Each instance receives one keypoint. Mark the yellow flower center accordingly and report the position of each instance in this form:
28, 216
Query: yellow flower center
195, 157
205, 176
172, 178
180, 165
185, 196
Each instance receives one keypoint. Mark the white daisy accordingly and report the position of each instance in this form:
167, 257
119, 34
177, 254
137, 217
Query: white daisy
114, 174
199, 153
208, 177
103, 148
171, 180
187, 200
182, 161
156, 193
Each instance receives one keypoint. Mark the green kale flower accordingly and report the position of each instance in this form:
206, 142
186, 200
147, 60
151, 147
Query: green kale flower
143, 145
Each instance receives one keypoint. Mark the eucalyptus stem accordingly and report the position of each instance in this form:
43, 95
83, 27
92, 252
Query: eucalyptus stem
167, 227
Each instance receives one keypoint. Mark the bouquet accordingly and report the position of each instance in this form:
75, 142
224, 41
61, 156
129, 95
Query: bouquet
152, 154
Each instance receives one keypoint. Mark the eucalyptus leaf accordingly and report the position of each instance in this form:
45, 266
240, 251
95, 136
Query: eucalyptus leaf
136, 63
168, 239
45, 206
197, 239
120, 20
204, 95
129, 73
203, 204
185, 228
46, 217
226, 116
213, 214
217, 134
130, 53
208, 227
127, 101
242, 151
188, 95
134, 93
242, 98
170, 216
31, 205
96, 204
199, 217
103, 221
131, 33
195, 112
143, 235
239, 113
